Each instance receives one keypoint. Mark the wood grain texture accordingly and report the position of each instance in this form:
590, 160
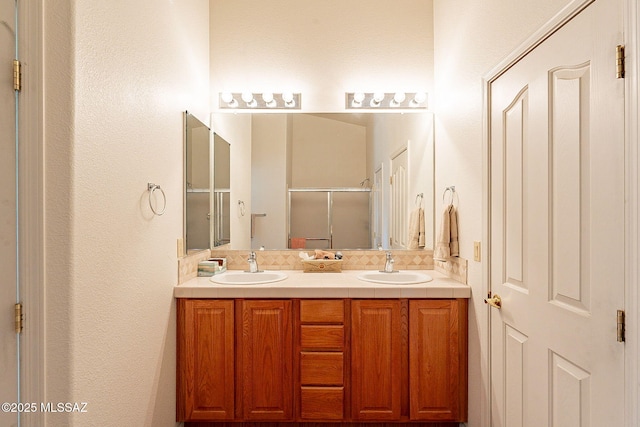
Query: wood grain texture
322, 311
322, 403
322, 337
376, 359
436, 367
321, 368
205, 377
267, 360
318, 424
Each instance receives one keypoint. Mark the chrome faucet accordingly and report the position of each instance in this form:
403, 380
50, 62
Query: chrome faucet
388, 264
253, 263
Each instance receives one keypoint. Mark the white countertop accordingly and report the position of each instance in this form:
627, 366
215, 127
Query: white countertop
324, 285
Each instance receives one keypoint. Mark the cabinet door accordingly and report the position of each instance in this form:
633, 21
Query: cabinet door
267, 360
438, 360
376, 359
205, 353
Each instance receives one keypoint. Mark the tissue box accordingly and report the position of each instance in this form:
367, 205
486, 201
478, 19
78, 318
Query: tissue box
212, 266
322, 266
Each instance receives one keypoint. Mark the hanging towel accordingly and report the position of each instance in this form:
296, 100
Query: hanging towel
298, 243
447, 242
453, 231
416, 229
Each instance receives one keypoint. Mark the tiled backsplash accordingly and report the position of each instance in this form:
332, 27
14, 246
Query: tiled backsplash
352, 260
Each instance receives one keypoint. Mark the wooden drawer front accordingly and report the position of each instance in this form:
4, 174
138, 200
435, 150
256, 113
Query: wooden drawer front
317, 368
322, 311
322, 403
328, 337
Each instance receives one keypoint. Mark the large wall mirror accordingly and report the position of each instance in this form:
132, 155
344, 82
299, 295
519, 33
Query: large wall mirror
207, 183
329, 180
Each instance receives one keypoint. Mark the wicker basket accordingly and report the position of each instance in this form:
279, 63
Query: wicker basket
322, 266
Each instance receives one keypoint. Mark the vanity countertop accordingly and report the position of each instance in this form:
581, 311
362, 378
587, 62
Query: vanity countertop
324, 285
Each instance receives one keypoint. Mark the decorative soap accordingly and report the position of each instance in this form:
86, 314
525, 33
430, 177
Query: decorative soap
212, 266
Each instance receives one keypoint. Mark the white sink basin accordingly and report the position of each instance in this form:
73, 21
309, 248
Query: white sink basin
244, 278
397, 278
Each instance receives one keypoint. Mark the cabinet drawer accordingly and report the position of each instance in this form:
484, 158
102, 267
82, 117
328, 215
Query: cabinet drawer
322, 311
327, 337
318, 368
322, 403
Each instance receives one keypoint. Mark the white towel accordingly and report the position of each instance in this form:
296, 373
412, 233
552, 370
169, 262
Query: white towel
447, 242
416, 229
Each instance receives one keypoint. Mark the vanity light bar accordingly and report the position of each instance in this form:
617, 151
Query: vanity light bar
259, 101
390, 100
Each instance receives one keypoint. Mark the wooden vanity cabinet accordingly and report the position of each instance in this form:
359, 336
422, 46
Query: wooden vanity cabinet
438, 359
266, 366
321, 355
376, 359
331, 360
234, 360
205, 360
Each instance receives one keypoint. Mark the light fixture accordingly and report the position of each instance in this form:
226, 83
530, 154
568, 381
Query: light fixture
267, 97
249, 100
358, 97
228, 99
376, 99
388, 100
398, 99
265, 100
289, 100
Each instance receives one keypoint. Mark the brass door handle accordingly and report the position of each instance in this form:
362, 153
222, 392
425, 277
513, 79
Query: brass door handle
494, 301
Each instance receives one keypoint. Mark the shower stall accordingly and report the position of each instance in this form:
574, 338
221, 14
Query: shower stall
329, 218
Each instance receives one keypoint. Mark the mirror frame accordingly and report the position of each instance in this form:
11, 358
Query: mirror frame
187, 116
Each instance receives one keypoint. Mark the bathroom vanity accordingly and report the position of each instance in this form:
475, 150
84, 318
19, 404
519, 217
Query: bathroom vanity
322, 348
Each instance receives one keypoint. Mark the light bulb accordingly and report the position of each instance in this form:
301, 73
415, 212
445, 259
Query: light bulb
287, 97
399, 97
247, 97
378, 97
356, 102
420, 97
226, 97
267, 97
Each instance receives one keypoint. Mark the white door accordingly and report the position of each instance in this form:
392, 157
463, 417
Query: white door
8, 339
376, 230
399, 220
557, 229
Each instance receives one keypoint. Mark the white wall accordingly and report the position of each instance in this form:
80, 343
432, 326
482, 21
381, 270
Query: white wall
321, 48
470, 39
269, 170
327, 152
391, 132
118, 76
236, 129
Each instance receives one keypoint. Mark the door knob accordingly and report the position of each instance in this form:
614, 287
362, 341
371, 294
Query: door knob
494, 301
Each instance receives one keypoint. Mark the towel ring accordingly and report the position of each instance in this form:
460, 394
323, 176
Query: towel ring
452, 191
419, 198
241, 207
152, 189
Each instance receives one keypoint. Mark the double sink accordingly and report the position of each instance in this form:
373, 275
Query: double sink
264, 277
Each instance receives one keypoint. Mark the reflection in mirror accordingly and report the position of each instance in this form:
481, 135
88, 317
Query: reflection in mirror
355, 155
197, 184
221, 191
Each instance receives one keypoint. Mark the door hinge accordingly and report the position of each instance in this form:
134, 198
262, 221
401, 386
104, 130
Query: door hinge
620, 61
391, 180
19, 318
17, 75
620, 323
